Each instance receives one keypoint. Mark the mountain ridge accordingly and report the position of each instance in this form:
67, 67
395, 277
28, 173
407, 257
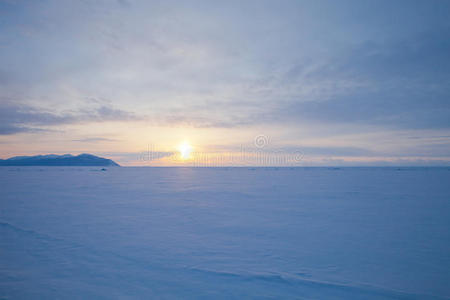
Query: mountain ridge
83, 159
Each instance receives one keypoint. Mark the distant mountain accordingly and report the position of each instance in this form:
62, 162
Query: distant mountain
58, 160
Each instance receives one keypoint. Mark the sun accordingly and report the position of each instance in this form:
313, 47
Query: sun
185, 150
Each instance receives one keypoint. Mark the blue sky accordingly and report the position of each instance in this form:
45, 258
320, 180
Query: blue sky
345, 82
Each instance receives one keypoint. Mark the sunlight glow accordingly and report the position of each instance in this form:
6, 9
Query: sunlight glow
185, 150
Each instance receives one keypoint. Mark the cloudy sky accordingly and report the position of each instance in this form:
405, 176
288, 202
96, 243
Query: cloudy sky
342, 82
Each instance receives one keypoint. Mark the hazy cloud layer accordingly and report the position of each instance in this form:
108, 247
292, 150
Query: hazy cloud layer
94, 140
23, 118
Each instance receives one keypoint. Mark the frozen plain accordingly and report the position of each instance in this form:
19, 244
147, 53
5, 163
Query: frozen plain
221, 233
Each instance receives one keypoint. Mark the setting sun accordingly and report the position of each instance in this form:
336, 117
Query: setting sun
185, 150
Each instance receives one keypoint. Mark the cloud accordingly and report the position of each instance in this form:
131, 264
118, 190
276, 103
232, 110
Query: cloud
167, 56
94, 140
18, 118
335, 151
6, 129
399, 84
124, 3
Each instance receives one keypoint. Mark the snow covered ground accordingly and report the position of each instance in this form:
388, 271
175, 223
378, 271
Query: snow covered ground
314, 233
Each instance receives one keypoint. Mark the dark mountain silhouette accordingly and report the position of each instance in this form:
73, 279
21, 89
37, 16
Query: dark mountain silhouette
58, 160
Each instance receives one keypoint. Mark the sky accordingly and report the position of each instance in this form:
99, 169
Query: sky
324, 83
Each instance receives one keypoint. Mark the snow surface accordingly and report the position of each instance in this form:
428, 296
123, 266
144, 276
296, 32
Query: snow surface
314, 233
